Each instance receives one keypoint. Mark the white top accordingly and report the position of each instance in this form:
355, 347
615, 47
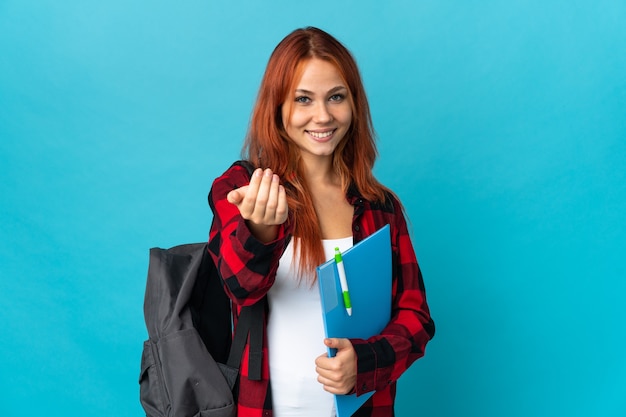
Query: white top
295, 333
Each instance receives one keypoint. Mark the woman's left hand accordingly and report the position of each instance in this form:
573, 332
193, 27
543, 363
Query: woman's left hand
337, 374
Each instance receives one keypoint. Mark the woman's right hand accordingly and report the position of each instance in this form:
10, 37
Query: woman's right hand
262, 203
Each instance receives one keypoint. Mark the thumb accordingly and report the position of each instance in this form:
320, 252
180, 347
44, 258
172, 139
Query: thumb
234, 197
337, 343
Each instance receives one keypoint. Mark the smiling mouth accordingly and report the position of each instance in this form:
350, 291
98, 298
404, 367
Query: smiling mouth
321, 135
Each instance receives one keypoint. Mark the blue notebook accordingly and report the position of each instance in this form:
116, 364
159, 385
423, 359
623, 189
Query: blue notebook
368, 272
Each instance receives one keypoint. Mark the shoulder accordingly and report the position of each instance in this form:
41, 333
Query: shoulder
237, 175
390, 205
390, 211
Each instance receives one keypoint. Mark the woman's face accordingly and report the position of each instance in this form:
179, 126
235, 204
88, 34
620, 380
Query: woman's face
318, 113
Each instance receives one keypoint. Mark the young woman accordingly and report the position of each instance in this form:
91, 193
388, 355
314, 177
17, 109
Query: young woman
312, 141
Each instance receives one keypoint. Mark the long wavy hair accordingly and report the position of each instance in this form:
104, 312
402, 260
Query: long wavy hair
268, 145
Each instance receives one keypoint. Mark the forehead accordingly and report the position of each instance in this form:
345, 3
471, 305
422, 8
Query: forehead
319, 75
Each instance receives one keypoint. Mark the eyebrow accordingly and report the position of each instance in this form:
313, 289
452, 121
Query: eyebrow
331, 91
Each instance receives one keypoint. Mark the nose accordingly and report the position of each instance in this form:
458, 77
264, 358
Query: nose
322, 114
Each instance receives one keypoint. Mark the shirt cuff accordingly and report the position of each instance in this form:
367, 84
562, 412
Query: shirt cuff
366, 366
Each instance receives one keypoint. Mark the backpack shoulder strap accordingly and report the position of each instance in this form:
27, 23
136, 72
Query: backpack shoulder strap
250, 323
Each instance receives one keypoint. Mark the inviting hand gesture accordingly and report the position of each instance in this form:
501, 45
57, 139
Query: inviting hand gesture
263, 203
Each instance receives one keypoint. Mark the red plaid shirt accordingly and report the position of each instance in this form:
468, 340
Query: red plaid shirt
248, 268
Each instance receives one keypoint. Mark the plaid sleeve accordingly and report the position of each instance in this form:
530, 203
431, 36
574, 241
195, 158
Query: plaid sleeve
382, 359
246, 265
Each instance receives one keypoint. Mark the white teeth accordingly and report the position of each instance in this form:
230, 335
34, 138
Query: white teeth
321, 135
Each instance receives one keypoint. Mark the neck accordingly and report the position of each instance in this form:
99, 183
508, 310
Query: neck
318, 170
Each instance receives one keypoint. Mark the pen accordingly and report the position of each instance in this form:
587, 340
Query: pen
343, 281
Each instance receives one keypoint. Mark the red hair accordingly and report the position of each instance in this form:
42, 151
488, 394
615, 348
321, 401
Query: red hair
268, 145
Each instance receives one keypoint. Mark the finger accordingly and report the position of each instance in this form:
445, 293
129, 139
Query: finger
328, 367
248, 203
322, 362
334, 389
338, 343
328, 380
326, 376
334, 375
262, 197
235, 196
339, 390
333, 386
272, 200
282, 209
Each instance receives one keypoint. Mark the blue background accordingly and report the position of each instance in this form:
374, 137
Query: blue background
502, 127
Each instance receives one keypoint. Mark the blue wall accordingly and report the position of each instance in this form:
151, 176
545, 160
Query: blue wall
502, 126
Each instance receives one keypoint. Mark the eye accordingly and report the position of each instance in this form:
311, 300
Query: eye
302, 99
338, 98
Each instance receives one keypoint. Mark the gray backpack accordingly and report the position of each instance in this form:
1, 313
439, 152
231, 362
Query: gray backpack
188, 367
